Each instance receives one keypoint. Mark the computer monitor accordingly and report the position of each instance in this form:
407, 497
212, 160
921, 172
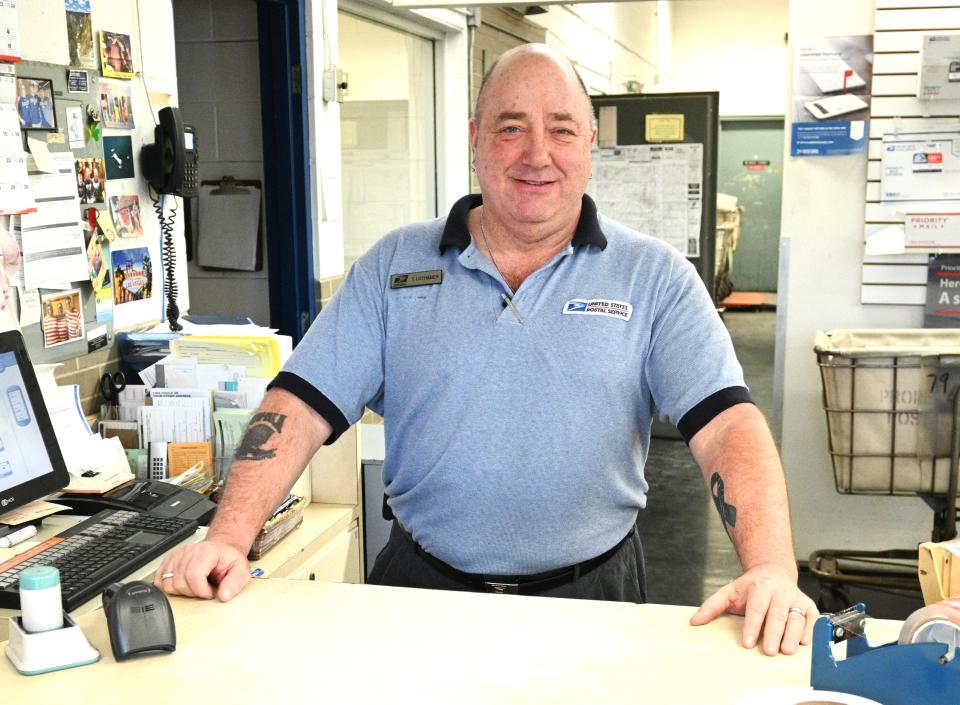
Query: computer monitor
31, 464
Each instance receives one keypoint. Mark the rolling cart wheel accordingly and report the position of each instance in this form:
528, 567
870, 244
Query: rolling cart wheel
833, 598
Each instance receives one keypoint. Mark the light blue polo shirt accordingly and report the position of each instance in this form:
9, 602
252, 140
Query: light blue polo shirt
514, 448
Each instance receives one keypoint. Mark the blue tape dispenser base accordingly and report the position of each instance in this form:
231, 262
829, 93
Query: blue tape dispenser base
892, 674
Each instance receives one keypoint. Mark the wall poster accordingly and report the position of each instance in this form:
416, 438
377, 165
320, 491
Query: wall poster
831, 96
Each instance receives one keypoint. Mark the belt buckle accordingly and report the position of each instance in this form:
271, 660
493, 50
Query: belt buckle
501, 588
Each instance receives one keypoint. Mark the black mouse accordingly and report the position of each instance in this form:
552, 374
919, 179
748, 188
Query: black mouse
139, 619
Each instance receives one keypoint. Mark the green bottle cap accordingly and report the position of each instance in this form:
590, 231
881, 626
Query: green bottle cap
38, 577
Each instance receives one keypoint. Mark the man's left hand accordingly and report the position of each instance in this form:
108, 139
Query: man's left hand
770, 601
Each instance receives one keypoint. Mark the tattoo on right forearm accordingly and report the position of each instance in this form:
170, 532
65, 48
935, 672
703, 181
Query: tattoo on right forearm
728, 513
262, 428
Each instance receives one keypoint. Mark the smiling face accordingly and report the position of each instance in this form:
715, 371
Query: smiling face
531, 141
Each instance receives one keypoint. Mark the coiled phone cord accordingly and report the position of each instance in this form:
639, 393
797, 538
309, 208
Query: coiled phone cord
168, 256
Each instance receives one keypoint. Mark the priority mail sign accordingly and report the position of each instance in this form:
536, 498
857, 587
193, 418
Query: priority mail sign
932, 231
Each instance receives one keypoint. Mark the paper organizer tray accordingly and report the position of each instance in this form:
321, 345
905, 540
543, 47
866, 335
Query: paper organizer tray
889, 398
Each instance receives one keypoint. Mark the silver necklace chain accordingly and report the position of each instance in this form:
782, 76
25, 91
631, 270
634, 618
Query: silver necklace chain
483, 232
508, 300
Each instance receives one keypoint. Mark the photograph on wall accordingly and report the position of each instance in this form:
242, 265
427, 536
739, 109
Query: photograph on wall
75, 127
105, 223
62, 320
132, 275
80, 34
78, 81
91, 177
98, 266
116, 106
116, 55
126, 215
831, 96
35, 105
118, 153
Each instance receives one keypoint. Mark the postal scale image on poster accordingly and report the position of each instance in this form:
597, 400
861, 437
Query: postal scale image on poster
831, 96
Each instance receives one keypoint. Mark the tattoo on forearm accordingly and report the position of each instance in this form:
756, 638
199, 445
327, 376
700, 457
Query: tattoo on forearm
261, 429
728, 513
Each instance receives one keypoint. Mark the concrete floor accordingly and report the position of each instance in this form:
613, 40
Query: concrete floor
687, 551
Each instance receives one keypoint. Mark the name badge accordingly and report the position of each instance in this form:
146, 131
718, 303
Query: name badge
403, 281
599, 307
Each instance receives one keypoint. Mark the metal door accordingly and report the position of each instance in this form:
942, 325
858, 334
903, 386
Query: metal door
751, 168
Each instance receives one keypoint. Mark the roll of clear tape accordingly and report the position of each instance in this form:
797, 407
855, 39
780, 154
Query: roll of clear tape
939, 623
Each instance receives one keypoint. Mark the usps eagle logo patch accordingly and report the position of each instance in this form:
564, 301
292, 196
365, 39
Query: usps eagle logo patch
599, 307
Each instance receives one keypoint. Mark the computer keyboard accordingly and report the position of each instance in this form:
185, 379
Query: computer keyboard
100, 550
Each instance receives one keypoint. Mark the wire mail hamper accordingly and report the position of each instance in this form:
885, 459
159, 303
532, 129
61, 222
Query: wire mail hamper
892, 410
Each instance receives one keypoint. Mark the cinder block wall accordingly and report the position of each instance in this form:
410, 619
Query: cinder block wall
85, 371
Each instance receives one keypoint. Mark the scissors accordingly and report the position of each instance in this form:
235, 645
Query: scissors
111, 385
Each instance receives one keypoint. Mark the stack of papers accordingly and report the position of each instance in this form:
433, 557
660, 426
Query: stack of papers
51, 238
197, 400
101, 460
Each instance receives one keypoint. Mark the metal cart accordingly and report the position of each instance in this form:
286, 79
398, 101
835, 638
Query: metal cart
893, 421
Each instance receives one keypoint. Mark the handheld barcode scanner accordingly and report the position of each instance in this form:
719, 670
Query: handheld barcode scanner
139, 619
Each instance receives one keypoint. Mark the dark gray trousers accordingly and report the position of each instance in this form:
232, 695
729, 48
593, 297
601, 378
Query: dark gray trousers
620, 578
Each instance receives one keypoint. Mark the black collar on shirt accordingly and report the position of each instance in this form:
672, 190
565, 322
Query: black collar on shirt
456, 234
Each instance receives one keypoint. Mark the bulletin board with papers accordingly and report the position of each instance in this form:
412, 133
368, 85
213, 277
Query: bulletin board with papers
655, 170
110, 265
54, 248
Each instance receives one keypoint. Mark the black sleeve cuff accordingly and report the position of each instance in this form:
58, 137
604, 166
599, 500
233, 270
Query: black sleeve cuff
315, 399
708, 409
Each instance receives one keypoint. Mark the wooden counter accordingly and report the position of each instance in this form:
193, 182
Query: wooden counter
289, 641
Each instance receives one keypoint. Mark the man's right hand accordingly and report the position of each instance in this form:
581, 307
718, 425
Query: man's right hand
207, 569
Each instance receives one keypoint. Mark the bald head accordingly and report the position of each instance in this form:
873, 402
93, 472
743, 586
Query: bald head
528, 55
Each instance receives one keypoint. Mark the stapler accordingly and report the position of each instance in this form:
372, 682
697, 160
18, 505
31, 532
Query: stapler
139, 619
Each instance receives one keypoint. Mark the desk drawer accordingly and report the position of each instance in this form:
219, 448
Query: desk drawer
336, 562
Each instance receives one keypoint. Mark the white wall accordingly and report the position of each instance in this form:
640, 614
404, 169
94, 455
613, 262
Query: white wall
222, 102
822, 222
323, 51
736, 48
43, 36
453, 112
586, 33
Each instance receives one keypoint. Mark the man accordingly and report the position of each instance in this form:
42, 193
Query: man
45, 100
516, 350
31, 112
51, 332
72, 317
60, 324
96, 187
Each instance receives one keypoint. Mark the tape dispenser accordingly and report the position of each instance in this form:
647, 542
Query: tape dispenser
920, 667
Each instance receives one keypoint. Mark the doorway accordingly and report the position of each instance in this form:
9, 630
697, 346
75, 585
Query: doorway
750, 167
239, 69
387, 131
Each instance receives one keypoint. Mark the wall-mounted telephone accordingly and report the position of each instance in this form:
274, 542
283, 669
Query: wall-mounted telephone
170, 164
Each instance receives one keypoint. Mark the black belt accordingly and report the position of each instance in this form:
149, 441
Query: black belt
515, 584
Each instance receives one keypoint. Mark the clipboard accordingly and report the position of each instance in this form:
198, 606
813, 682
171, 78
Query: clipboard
229, 228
